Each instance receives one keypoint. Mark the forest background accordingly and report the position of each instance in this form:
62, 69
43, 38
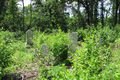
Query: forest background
54, 14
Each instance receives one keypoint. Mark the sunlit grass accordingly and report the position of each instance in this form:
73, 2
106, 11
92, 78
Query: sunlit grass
20, 59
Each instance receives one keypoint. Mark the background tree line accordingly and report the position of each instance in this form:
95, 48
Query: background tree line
51, 14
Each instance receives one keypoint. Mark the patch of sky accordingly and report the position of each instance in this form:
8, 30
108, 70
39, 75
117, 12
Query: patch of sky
26, 3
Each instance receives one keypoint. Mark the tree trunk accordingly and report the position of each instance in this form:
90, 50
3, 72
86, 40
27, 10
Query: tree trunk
88, 16
13, 13
91, 13
113, 12
30, 13
78, 13
116, 9
119, 14
95, 14
102, 17
23, 14
1, 5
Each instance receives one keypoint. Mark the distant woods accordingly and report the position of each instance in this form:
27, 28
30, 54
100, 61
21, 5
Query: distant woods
51, 14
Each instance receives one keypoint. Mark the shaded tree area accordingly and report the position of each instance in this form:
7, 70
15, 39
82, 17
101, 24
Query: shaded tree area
11, 16
2, 9
54, 14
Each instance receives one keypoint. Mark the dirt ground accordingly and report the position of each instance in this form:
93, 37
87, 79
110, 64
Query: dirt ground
29, 72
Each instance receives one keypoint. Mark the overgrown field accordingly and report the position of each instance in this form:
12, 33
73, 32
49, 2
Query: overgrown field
90, 61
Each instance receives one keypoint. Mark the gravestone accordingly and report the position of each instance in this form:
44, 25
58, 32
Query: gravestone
73, 37
100, 42
29, 37
45, 49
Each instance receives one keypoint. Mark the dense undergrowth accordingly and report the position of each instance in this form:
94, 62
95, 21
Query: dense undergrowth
91, 61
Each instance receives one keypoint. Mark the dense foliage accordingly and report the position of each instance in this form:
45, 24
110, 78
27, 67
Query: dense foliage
95, 21
90, 61
6, 50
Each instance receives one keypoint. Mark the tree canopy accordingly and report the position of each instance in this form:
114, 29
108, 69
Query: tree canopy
54, 14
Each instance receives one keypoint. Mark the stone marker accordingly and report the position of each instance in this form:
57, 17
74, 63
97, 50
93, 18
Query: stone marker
100, 42
45, 49
29, 36
73, 37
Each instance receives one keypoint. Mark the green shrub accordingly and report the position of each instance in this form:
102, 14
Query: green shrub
19, 35
38, 40
60, 49
57, 43
6, 50
111, 72
57, 73
90, 60
54, 73
117, 31
59, 46
81, 34
107, 35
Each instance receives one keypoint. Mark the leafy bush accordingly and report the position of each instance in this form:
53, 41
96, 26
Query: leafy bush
94, 57
88, 62
91, 60
107, 35
117, 31
60, 47
81, 34
111, 72
57, 43
6, 49
19, 35
38, 40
